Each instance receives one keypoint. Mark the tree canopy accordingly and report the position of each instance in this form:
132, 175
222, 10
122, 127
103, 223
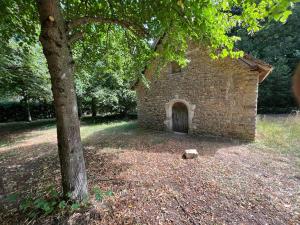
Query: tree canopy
23, 72
107, 75
208, 21
279, 45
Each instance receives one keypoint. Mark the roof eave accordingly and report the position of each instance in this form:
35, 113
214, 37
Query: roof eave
264, 74
254, 64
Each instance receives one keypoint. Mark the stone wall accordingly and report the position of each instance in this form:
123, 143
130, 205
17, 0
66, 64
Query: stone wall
221, 96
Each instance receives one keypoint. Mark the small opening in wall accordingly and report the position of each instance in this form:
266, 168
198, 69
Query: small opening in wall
175, 67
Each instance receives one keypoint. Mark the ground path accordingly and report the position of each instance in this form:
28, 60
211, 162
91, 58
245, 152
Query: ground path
229, 183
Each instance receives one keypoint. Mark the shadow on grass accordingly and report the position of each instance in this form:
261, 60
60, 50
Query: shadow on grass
49, 123
30, 170
13, 132
105, 119
128, 136
16, 131
26, 126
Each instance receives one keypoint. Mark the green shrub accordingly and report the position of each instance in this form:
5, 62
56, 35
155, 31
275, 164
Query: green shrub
52, 201
45, 204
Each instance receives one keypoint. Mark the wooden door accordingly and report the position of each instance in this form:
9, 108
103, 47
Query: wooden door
180, 117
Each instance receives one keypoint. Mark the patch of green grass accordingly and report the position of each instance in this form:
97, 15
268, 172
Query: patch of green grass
11, 139
25, 126
4, 143
280, 134
16, 131
13, 132
108, 128
7, 155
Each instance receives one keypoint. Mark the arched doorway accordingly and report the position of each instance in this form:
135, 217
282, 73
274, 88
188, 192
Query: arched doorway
180, 118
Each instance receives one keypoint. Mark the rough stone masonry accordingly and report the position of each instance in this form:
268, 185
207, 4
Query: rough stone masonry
220, 95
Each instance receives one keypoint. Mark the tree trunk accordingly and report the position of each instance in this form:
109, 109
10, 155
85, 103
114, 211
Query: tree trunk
29, 119
61, 67
94, 107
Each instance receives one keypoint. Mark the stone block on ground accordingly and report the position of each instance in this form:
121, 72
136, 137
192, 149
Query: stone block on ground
190, 154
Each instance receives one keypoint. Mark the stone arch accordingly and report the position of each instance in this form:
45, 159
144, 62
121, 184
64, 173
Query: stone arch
169, 106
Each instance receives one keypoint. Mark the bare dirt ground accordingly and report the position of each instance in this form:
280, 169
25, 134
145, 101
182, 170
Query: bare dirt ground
229, 183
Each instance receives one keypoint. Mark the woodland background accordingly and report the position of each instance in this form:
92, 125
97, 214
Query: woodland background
103, 81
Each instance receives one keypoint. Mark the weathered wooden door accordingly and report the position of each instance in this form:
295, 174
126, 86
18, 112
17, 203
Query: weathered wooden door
180, 117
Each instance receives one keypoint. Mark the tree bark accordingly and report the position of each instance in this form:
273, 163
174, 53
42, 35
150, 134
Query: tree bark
61, 67
29, 119
94, 107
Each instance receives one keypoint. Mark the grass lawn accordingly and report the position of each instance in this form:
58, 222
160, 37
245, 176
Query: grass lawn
229, 183
280, 134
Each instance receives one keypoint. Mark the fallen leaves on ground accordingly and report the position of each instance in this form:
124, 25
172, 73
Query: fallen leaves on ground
229, 183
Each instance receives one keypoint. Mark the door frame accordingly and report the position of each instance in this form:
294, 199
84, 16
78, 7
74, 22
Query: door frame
169, 107
183, 124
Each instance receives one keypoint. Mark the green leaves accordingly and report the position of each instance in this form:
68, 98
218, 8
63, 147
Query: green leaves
23, 71
75, 206
284, 16
110, 56
43, 204
46, 206
277, 44
47, 203
62, 204
99, 194
26, 204
207, 21
12, 197
106, 75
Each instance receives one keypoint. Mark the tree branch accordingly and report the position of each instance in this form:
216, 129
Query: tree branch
75, 37
137, 29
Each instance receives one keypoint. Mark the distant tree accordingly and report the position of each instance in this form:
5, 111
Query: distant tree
63, 22
103, 80
279, 45
24, 74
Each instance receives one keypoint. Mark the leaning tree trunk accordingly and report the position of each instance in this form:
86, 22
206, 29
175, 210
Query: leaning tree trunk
61, 67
